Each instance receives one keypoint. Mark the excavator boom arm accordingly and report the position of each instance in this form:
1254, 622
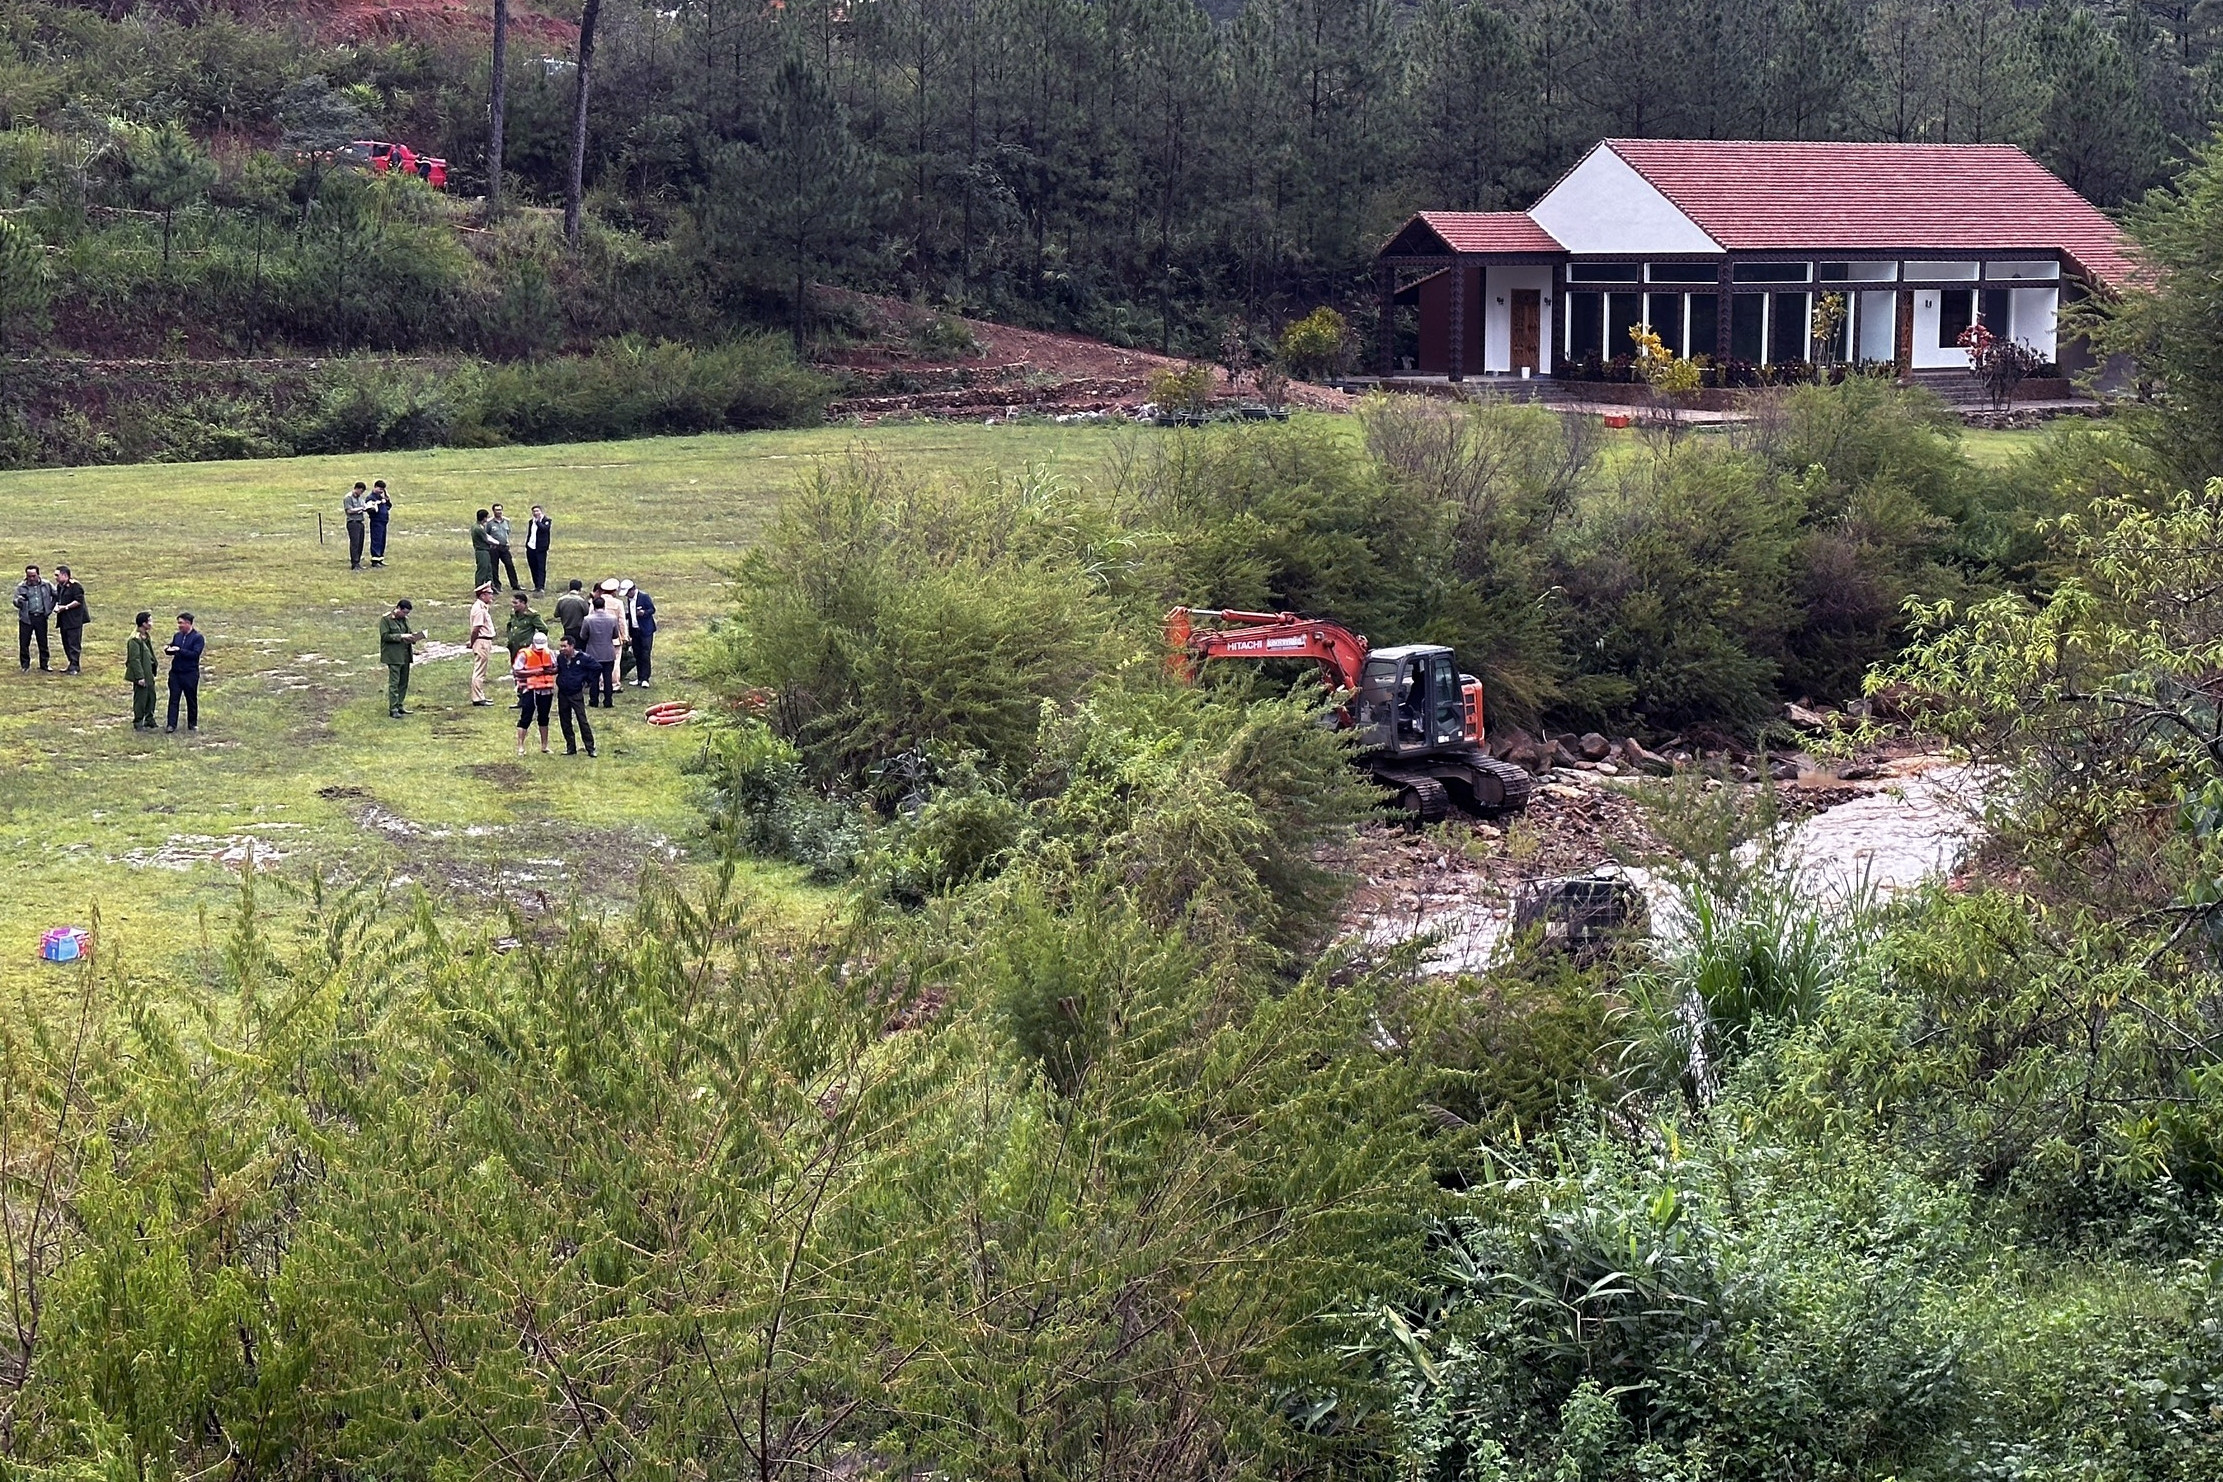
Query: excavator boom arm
1264, 635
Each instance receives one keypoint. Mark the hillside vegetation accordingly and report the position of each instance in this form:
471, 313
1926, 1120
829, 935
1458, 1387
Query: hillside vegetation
948, 1055
1063, 1144
1157, 174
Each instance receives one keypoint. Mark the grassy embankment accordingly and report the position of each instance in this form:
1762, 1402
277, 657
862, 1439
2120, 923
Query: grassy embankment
296, 750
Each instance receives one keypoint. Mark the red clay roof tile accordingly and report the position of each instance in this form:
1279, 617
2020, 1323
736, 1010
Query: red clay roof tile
1490, 231
1926, 198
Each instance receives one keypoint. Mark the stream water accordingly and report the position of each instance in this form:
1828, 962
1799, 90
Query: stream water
1892, 840
1913, 828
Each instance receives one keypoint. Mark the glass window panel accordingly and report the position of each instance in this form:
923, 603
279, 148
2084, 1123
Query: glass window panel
1856, 272
1622, 312
1879, 325
1941, 272
1956, 310
1377, 710
1787, 329
1664, 312
1585, 323
1601, 272
2042, 272
1745, 317
1449, 705
1683, 272
1994, 305
1705, 312
1770, 272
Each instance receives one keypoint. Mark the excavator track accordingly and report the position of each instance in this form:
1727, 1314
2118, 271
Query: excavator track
1427, 789
1515, 782
1422, 799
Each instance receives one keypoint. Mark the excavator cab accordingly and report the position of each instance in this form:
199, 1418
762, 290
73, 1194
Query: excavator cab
1411, 700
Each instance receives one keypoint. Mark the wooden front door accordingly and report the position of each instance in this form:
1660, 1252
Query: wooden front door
1528, 318
1902, 335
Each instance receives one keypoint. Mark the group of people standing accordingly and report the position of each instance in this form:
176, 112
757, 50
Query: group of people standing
603, 638
143, 668
490, 548
59, 603
367, 511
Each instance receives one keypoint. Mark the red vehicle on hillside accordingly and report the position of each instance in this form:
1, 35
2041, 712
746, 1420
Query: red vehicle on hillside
381, 156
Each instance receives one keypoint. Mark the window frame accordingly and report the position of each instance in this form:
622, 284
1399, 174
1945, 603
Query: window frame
1653, 273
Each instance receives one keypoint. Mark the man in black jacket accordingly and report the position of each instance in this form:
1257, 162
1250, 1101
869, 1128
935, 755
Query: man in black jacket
381, 510
185, 650
70, 615
539, 531
574, 672
640, 622
34, 604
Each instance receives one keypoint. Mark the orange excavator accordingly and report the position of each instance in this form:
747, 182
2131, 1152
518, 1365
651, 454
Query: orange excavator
1418, 718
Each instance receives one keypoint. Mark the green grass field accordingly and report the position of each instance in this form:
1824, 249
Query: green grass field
296, 755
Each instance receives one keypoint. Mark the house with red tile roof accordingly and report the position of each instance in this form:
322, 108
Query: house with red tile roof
1725, 248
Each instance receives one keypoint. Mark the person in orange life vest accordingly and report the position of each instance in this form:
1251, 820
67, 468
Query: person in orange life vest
534, 669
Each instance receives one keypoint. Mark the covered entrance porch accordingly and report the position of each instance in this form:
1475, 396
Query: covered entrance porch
1483, 285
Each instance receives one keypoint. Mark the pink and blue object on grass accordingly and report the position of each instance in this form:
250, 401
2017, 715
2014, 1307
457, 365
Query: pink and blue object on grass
65, 944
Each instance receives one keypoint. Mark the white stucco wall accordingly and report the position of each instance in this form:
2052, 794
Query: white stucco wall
1605, 206
1928, 354
1497, 317
2035, 319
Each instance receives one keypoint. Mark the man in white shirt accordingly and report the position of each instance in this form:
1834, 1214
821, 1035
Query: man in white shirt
481, 641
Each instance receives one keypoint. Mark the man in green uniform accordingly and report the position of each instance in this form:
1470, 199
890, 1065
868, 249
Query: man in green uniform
482, 550
397, 649
140, 668
523, 624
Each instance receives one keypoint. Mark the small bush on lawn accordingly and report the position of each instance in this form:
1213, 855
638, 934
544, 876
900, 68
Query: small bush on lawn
1313, 346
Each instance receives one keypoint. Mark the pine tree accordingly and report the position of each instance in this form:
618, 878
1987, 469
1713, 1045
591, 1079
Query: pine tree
798, 186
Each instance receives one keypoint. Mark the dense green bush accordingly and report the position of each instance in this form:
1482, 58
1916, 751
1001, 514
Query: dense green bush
633, 388
359, 403
1678, 586
1280, 519
757, 802
674, 1195
1506, 475
1716, 1304
891, 617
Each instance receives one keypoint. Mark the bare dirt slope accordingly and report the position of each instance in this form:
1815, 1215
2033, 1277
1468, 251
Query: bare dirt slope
435, 21
909, 362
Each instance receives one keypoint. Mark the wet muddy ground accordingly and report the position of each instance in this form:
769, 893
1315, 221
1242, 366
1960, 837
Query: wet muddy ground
1912, 820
